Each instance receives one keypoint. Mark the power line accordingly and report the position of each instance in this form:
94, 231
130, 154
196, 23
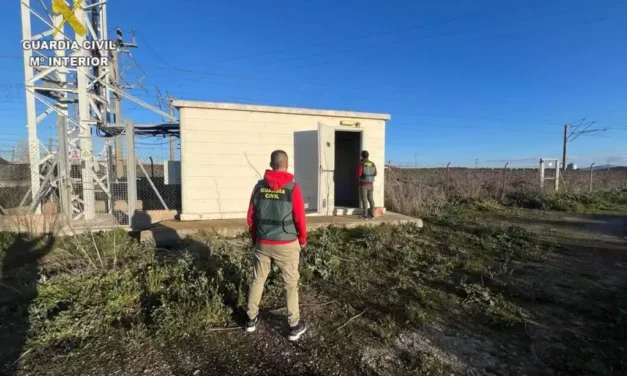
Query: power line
394, 32
230, 76
408, 126
467, 41
368, 35
403, 41
309, 86
575, 133
154, 52
412, 127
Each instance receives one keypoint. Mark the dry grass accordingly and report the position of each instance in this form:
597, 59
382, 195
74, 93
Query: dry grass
491, 179
426, 192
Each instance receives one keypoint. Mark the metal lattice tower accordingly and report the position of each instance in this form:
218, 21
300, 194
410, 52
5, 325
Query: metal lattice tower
59, 87
88, 91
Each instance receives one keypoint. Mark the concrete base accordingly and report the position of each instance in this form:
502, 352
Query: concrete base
170, 232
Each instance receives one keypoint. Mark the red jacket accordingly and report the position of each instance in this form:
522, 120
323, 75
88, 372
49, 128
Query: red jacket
276, 180
360, 170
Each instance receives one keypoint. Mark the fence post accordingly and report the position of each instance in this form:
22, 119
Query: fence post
65, 184
504, 179
541, 167
592, 165
131, 172
448, 181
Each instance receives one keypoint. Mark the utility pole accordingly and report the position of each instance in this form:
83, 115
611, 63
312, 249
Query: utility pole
416, 160
117, 99
117, 113
574, 133
608, 165
566, 126
172, 139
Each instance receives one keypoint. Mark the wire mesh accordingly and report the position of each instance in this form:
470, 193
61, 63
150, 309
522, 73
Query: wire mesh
493, 182
99, 195
158, 173
14, 175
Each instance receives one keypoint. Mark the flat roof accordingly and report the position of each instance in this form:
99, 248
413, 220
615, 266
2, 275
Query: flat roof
280, 110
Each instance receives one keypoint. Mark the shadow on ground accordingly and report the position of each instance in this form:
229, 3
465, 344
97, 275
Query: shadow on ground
18, 288
234, 352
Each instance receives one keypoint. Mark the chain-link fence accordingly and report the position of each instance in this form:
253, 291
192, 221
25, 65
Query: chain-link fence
72, 188
98, 185
158, 173
90, 190
14, 176
430, 190
490, 181
495, 183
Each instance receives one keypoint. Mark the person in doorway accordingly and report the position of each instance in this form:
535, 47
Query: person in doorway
276, 218
366, 172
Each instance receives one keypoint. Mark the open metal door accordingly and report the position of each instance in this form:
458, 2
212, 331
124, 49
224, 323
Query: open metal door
326, 163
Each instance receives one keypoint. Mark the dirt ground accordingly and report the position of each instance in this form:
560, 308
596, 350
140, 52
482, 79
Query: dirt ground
574, 312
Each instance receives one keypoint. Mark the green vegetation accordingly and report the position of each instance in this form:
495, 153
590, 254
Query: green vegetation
500, 289
581, 202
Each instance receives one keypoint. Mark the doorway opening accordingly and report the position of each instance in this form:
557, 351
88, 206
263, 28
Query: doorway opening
347, 150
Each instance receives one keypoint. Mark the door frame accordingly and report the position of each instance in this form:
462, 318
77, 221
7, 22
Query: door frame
336, 129
349, 210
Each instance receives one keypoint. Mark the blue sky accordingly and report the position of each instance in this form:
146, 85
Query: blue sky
486, 80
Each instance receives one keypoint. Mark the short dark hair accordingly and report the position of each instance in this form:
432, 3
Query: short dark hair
365, 154
278, 159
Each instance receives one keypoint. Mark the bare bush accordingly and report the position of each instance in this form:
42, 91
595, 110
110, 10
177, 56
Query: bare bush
412, 196
430, 190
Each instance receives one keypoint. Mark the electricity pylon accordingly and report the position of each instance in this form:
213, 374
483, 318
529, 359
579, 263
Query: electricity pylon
88, 89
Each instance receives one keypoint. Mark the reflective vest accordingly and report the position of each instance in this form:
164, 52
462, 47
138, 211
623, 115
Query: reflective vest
368, 170
273, 212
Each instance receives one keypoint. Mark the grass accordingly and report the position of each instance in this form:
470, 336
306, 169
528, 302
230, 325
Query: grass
384, 300
581, 202
432, 195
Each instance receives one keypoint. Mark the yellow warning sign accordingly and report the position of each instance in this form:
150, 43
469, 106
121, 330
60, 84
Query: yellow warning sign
60, 7
86, 154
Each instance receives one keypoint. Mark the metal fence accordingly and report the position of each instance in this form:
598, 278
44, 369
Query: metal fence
72, 188
103, 191
14, 176
493, 182
92, 190
158, 173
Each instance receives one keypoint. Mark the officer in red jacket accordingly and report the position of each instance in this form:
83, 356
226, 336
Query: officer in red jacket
276, 218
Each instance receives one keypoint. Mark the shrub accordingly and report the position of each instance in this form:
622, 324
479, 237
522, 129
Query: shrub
92, 284
570, 202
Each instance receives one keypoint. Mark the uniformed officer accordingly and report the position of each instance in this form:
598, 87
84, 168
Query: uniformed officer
276, 218
366, 172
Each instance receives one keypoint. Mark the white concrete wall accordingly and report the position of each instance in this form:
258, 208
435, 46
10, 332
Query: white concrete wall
224, 152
